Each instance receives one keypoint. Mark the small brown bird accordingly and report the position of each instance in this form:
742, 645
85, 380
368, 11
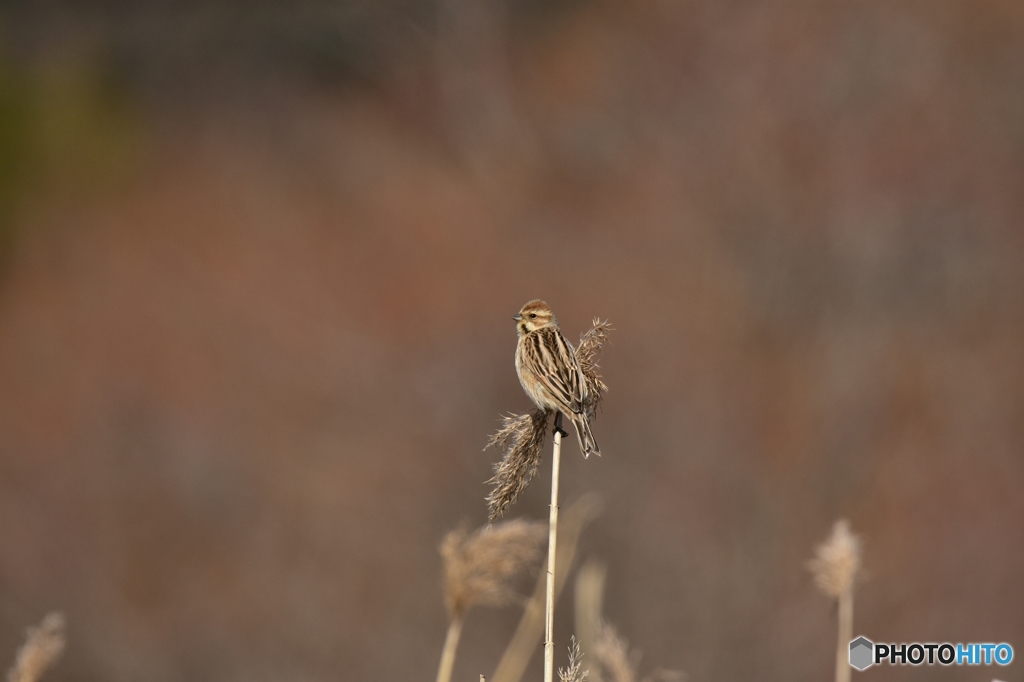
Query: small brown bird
549, 372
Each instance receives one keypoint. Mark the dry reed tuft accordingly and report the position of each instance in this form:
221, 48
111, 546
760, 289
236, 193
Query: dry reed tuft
479, 566
591, 343
574, 673
42, 647
522, 436
837, 561
612, 652
478, 571
835, 567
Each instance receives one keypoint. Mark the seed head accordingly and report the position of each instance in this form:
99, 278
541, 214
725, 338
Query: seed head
574, 673
837, 561
522, 436
479, 567
42, 647
591, 343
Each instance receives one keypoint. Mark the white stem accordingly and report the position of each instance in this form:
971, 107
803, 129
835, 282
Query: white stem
451, 642
845, 635
549, 619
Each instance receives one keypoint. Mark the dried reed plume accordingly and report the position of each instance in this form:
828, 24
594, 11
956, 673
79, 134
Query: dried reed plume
574, 673
522, 437
591, 343
479, 568
612, 651
42, 647
837, 561
835, 568
621, 664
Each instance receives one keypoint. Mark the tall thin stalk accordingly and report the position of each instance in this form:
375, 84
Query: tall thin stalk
451, 643
530, 630
835, 566
549, 608
845, 635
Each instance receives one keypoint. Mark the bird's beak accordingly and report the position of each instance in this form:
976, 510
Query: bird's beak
517, 317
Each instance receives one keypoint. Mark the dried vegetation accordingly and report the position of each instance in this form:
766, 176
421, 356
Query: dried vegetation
42, 647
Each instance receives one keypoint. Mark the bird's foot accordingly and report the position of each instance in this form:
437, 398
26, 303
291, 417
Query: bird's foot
558, 425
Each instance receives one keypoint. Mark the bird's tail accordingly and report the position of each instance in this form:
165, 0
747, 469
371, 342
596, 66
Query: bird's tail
586, 437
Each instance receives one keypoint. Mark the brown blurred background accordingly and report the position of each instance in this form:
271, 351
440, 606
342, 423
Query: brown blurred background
257, 270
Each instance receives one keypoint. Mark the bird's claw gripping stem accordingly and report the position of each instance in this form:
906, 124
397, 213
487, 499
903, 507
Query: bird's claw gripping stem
558, 425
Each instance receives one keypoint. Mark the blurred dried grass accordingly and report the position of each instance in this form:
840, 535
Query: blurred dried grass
836, 569
837, 561
479, 566
520, 649
479, 570
43, 646
613, 659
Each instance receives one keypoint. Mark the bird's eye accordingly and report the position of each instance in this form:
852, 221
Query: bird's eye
532, 315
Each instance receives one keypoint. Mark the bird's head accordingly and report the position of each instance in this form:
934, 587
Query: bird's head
534, 315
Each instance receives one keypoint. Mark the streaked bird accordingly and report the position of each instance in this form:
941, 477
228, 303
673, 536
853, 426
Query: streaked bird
549, 372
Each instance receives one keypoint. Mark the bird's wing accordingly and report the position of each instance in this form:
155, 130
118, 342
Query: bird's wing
551, 359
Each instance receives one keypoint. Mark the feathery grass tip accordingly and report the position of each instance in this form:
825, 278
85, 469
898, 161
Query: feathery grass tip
42, 647
522, 436
479, 567
835, 568
612, 651
574, 673
591, 343
837, 561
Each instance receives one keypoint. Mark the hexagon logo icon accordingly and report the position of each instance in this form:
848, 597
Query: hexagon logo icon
861, 653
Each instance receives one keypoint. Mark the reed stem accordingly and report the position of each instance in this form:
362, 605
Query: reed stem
845, 635
530, 630
451, 643
549, 612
